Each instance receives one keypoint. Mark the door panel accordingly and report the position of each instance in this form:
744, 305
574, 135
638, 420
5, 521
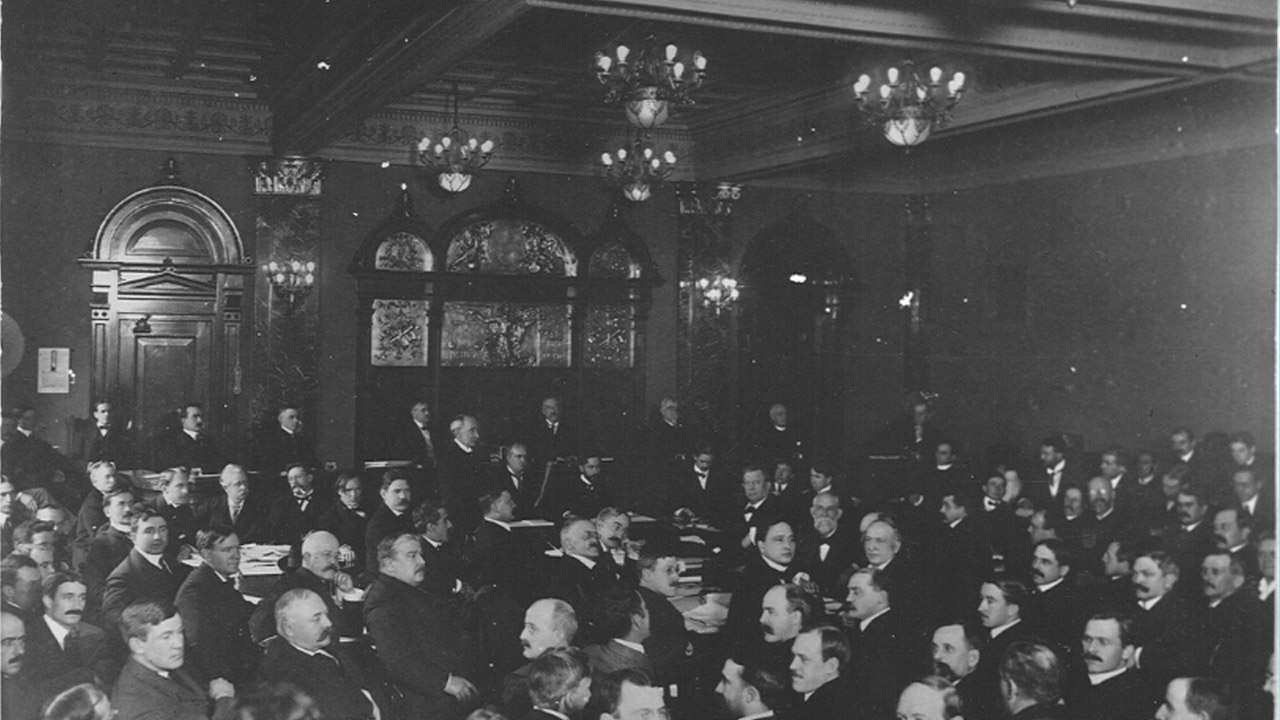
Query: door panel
169, 365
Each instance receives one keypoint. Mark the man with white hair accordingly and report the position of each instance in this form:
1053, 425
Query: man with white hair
236, 507
283, 444
318, 573
461, 470
304, 654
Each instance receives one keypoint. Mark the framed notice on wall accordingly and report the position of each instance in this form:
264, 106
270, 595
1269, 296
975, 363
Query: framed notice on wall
55, 371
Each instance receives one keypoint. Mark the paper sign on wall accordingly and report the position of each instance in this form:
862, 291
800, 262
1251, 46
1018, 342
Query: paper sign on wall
55, 371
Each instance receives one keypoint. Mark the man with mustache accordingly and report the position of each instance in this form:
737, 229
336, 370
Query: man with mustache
391, 518
549, 624
153, 683
304, 655
770, 565
1169, 637
215, 614
754, 685
318, 573
957, 652
62, 651
827, 548
1233, 620
109, 546
886, 651
1192, 538
1053, 605
189, 446
1116, 691
1231, 532
819, 673
20, 699
294, 515
785, 609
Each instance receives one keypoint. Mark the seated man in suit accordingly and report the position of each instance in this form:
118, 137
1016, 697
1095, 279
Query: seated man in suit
303, 654
34, 466
1247, 487
236, 507
958, 652
417, 635
445, 564
21, 698
392, 517
1168, 635
559, 685
189, 446
1198, 697
147, 573
819, 672
755, 684
1115, 690
39, 541
1032, 681
785, 610
756, 497
699, 490
62, 651
20, 586
931, 698
578, 575
623, 618
658, 572
770, 565
886, 652
584, 493
498, 560
616, 551
294, 515
108, 548
882, 545
626, 695
347, 520
102, 480
216, 616
282, 445
174, 504
549, 624
107, 437
319, 573
153, 683
826, 547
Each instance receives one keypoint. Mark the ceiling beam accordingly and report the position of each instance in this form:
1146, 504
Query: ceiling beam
422, 49
1172, 47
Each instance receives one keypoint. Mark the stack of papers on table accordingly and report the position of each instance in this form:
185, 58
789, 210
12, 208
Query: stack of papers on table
261, 559
705, 618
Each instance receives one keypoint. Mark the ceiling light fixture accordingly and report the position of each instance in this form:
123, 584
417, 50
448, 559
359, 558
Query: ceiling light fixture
455, 157
908, 107
648, 81
635, 170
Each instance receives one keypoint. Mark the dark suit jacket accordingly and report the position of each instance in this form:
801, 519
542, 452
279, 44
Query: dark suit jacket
1123, 697
134, 579
526, 496
743, 622
382, 524
107, 550
833, 700
262, 624
445, 567
333, 682
215, 617
1238, 649
1172, 642
570, 580
276, 449
21, 699
885, 657
961, 561
89, 444
567, 492
769, 443
89, 518
181, 520
1055, 614
461, 482
419, 642
667, 639
613, 656
250, 525
288, 522
349, 526
911, 587
1036, 485
142, 694
500, 561
55, 668
844, 549
175, 448
406, 443
545, 446
711, 503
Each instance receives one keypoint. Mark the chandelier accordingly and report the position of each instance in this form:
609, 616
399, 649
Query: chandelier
636, 169
908, 107
719, 292
648, 81
292, 279
455, 157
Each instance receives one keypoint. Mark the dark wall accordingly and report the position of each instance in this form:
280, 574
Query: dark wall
1056, 304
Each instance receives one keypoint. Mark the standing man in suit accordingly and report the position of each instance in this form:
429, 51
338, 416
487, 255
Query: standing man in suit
106, 438
153, 683
819, 668
391, 518
1047, 491
303, 654
294, 515
417, 634
511, 476
62, 651
236, 507
1115, 690
174, 504
216, 616
559, 685
886, 651
283, 445
416, 441
826, 548
778, 439
462, 472
551, 438
189, 446
147, 573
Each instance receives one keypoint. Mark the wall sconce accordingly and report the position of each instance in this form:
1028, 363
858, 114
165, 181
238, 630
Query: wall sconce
718, 292
292, 280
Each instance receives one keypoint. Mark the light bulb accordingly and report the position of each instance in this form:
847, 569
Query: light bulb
279, 278
671, 53
606, 159
893, 76
273, 266
935, 74
863, 83
446, 141
648, 153
473, 143
309, 280
655, 163
670, 157
884, 92
921, 93
604, 62
623, 52
700, 61
311, 266
959, 79
439, 150
678, 70
622, 153
423, 144
486, 147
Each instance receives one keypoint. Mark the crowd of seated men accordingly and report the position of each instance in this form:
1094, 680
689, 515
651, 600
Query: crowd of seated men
1131, 588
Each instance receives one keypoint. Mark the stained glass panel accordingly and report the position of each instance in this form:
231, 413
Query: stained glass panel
399, 333
505, 335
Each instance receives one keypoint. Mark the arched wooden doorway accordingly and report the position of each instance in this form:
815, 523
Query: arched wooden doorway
169, 274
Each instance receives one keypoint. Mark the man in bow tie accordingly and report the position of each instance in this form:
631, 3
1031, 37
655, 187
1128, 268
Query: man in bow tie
106, 437
294, 515
756, 498
827, 547
1059, 473
512, 476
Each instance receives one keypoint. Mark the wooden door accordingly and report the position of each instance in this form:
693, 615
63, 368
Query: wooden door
165, 367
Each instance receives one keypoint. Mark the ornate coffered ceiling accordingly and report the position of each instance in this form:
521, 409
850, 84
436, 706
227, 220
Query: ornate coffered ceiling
363, 79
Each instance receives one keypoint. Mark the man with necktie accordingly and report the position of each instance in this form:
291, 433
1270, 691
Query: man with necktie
147, 574
236, 507
174, 504
390, 519
189, 445
298, 513
153, 683
62, 651
512, 477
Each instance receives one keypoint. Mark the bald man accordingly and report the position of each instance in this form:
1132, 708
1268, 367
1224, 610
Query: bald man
318, 573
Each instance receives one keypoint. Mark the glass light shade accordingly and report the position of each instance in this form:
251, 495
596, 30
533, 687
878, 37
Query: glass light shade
908, 128
636, 192
645, 110
455, 182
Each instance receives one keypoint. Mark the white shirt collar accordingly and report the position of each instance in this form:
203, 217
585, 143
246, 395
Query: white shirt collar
554, 713
998, 631
153, 559
863, 625
24, 431
1115, 481
1105, 515
945, 467
628, 644
585, 480
1251, 504
756, 505
286, 429
1148, 604
1099, 678
591, 564
1049, 586
463, 447
758, 716
1266, 587
60, 632
826, 489
1192, 526
499, 523
194, 435
310, 653
1187, 458
954, 523
434, 544
774, 565
1057, 469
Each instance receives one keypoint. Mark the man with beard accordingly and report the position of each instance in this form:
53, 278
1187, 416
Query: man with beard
318, 573
215, 614
1115, 691
417, 634
826, 549
754, 685
549, 624
886, 652
62, 651
294, 515
957, 652
20, 699
153, 683
304, 655
559, 685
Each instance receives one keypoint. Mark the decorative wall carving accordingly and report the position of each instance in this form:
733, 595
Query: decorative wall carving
505, 335
288, 176
399, 333
510, 247
404, 252
610, 337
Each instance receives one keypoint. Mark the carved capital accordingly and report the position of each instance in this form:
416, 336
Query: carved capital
287, 176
